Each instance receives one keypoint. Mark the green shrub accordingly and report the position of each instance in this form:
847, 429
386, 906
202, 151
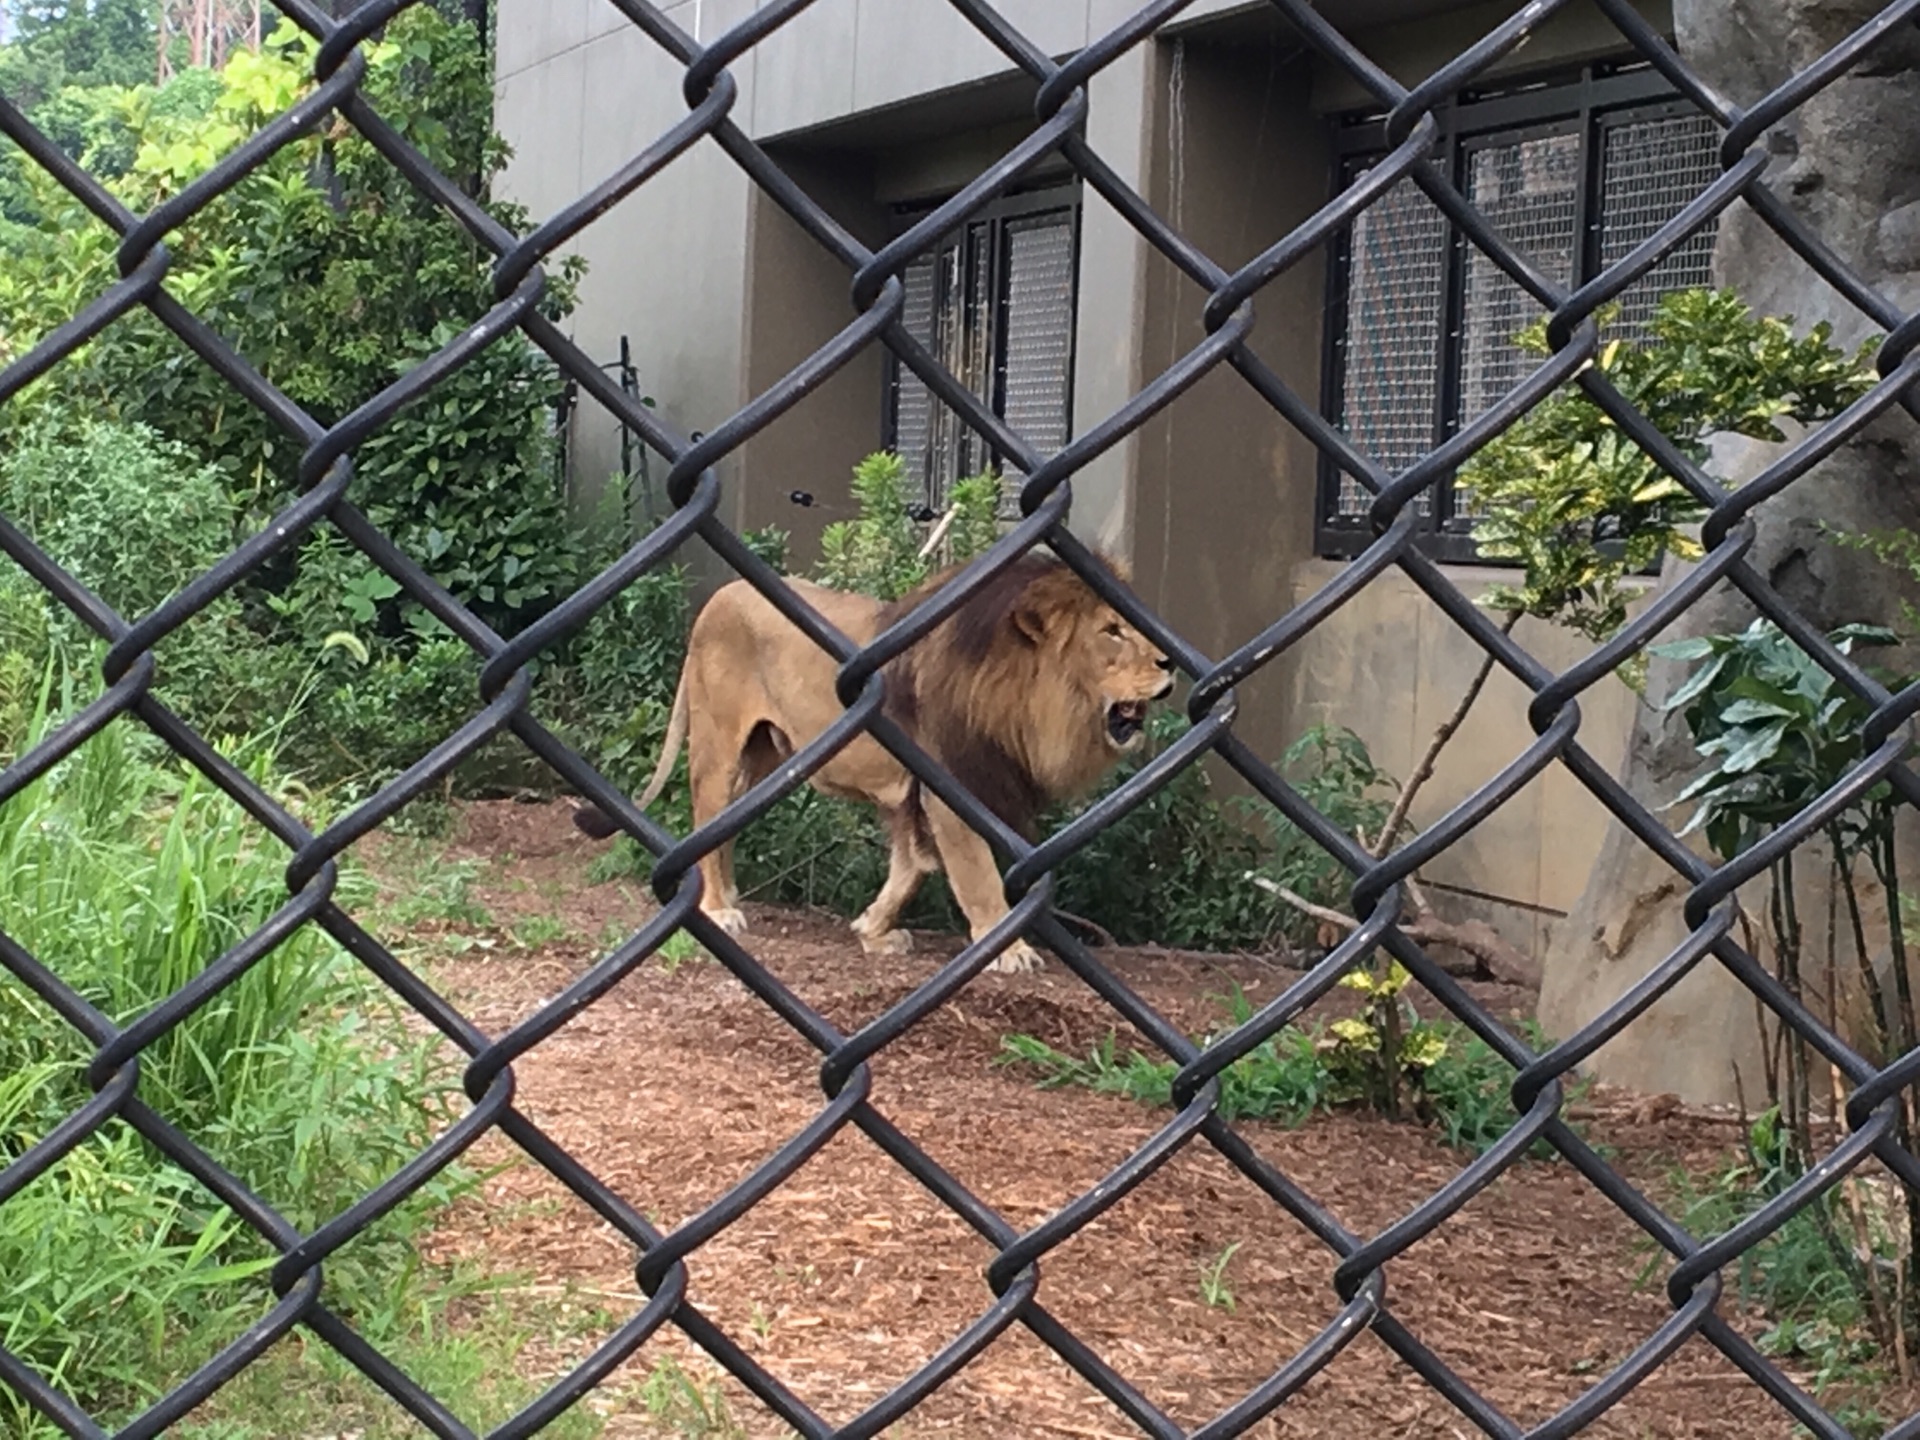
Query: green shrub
878, 553
130, 513
1460, 1086
136, 466
1818, 1279
127, 877
1567, 497
1173, 870
1176, 870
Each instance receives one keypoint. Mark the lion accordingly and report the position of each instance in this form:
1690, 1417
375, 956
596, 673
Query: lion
1029, 693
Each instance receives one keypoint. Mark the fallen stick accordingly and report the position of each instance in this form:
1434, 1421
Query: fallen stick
1472, 937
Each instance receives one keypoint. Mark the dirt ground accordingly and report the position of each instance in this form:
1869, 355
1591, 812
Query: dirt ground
849, 1276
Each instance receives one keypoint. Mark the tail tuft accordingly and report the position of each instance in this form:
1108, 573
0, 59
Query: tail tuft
592, 821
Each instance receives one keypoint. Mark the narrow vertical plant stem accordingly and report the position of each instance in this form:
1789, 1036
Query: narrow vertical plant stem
1887, 868
1769, 1033
1390, 1043
1834, 1101
1863, 958
1787, 939
1883, 1319
1423, 772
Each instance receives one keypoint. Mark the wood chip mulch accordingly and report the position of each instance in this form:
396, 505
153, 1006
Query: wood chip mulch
850, 1275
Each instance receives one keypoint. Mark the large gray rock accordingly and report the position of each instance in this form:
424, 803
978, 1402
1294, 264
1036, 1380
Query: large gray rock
1849, 163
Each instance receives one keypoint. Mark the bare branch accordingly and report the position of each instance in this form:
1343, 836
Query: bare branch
1423, 772
1475, 938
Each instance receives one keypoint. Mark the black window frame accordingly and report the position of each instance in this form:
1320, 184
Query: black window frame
1588, 101
1035, 202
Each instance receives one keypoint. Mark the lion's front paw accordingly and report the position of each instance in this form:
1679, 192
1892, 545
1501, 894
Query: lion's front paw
1019, 958
734, 922
888, 942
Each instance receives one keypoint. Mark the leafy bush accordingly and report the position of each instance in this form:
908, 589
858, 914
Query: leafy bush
334, 276
135, 517
878, 553
1461, 1085
1777, 732
1200, 851
129, 512
60, 44
127, 877
1174, 870
1567, 496
1816, 1279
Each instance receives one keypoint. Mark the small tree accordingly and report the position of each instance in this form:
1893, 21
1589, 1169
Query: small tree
333, 275
1778, 732
882, 551
1581, 510
1567, 497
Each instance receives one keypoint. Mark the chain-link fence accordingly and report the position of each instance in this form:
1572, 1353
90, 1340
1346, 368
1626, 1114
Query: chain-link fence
1358, 1265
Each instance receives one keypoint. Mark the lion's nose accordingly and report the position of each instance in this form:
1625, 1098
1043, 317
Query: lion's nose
1165, 662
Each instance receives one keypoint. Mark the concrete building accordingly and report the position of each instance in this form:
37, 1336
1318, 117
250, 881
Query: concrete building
1059, 312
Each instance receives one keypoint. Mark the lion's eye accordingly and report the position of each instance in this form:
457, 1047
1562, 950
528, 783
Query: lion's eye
1114, 630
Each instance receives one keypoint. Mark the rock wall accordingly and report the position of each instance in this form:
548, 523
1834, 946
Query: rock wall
1848, 161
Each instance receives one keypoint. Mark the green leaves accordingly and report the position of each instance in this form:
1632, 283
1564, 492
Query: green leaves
878, 554
333, 275
1778, 729
1572, 500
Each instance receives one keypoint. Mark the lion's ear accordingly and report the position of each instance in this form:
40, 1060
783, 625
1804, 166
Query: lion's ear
1030, 622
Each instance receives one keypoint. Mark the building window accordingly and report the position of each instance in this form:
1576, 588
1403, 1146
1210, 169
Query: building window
994, 301
1421, 322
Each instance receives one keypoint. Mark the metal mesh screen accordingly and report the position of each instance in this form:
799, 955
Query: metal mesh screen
1529, 191
1650, 170
1390, 361
913, 403
1392, 330
1038, 346
1533, 187
996, 304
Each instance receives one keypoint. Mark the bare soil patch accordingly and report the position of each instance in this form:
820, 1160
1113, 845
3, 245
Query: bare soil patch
849, 1276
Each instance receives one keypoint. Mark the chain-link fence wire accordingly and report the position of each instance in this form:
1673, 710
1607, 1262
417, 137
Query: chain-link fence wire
1360, 1264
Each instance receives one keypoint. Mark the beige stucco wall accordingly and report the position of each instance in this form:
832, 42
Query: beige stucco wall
1223, 500
1393, 667
1225, 493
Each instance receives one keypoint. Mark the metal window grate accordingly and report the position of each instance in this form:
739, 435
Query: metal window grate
1650, 170
1570, 183
1529, 190
995, 304
912, 402
1037, 355
1390, 369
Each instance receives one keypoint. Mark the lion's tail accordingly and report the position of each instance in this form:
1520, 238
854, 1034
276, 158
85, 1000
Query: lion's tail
595, 822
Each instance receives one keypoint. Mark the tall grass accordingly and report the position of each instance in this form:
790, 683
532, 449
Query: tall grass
127, 874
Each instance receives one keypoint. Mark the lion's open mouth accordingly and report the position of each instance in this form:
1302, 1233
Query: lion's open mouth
1124, 721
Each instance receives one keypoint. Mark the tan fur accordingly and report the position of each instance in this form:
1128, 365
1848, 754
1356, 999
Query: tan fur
1011, 693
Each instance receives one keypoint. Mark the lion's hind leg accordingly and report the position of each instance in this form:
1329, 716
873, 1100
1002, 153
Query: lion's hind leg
720, 772
910, 856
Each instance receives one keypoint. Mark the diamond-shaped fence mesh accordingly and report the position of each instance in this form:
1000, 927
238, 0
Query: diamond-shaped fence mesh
1506, 257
